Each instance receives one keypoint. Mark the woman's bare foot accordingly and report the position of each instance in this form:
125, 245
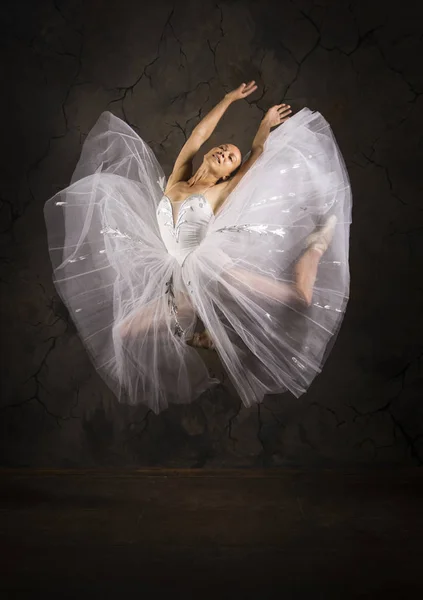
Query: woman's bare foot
201, 340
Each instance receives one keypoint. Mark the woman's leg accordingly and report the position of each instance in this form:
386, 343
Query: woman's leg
305, 273
154, 316
139, 321
300, 291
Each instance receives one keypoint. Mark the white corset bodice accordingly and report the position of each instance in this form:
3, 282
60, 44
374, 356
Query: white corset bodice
193, 218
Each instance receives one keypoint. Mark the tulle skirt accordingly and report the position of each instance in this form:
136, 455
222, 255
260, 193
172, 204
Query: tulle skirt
135, 306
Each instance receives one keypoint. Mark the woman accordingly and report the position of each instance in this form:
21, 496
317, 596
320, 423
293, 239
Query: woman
257, 250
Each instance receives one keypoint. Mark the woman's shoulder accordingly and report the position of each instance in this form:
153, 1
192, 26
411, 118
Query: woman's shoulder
217, 195
173, 187
177, 186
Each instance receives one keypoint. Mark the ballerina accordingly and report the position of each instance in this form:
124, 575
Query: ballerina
237, 244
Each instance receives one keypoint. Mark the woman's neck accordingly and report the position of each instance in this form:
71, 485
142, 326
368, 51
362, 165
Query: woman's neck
203, 177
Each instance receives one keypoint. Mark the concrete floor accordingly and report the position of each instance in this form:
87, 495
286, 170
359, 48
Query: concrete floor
162, 68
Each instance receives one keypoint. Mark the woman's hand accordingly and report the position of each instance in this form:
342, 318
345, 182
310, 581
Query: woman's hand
277, 114
244, 90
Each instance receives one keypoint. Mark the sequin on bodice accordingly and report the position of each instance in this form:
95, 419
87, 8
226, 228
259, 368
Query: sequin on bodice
184, 235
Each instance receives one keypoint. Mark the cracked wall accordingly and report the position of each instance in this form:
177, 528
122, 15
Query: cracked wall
161, 69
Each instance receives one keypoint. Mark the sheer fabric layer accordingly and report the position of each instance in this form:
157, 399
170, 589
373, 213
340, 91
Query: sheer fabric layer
135, 305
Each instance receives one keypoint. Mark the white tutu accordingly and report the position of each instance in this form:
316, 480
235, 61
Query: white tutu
135, 305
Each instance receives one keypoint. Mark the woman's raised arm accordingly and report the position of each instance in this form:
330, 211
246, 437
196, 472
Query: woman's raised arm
276, 115
182, 169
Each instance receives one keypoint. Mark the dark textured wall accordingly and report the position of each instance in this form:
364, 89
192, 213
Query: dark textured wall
162, 67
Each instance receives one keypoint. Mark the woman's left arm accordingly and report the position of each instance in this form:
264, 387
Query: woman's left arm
276, 115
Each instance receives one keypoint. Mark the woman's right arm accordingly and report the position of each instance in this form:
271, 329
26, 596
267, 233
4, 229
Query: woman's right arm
182, 169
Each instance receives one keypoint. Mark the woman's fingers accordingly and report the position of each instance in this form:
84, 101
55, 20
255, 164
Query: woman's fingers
284, 112
280, 113
249, 87
247, 92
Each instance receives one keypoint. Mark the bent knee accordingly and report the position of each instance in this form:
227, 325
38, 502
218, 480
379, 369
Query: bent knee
304, 298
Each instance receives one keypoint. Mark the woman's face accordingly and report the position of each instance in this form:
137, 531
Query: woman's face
223, 159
